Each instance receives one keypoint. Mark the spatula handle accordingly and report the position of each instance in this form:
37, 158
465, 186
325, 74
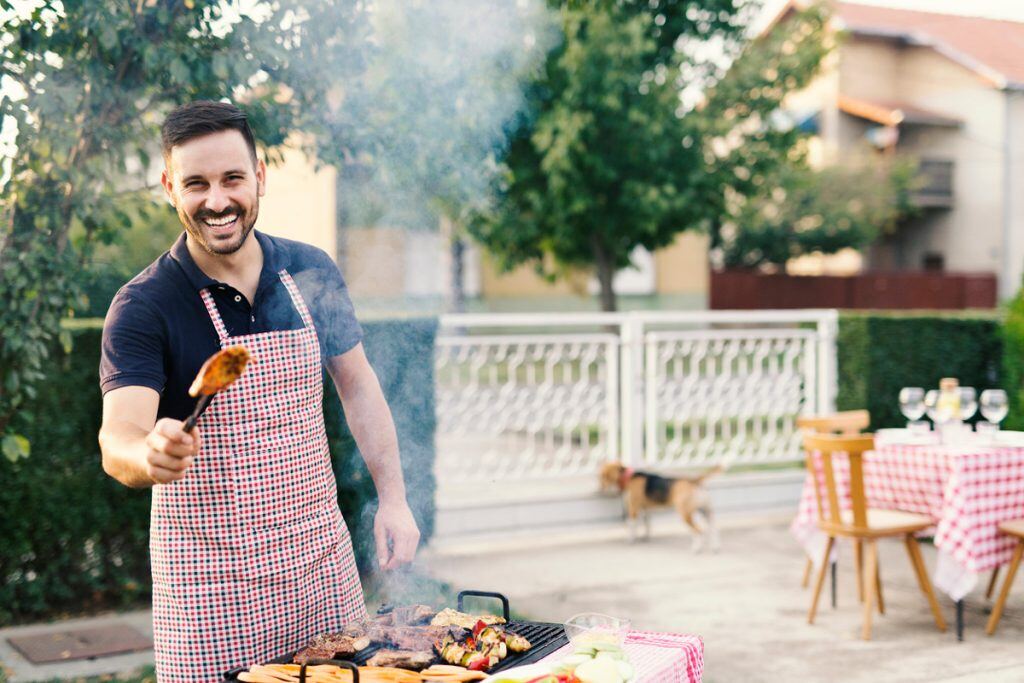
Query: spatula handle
201, 404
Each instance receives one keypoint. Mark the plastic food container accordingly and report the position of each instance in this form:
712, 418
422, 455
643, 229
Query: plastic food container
589, 628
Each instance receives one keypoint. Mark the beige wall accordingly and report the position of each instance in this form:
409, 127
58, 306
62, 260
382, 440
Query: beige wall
1013, 267
375, 262
970, 233
868, 69
300, 202
682, 268
524, 281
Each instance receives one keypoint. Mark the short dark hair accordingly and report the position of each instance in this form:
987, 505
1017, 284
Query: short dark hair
203, 117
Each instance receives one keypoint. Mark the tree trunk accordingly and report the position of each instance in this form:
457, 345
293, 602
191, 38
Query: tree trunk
605, 275
458, 247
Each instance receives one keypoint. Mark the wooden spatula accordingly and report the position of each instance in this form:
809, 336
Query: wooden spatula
218, 372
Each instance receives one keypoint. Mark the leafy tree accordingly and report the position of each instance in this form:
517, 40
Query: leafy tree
806, 211
85, 85
612, 159
153, 226
601, 168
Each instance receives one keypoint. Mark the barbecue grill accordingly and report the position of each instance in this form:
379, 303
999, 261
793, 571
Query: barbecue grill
544, 639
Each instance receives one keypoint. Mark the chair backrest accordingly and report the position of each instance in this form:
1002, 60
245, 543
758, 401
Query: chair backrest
854, 448
843, 422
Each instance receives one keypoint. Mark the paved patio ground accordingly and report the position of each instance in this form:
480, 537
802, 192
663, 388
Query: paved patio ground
745, 601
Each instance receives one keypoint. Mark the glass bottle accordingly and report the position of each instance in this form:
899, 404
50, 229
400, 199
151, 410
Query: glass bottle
947, 407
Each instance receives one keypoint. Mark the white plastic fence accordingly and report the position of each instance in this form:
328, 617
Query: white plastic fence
524, 397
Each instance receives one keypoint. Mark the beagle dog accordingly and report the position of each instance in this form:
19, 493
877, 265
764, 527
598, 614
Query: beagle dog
642, 491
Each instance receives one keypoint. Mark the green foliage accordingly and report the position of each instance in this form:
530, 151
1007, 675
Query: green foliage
85, 87
1013, 361
807, 211
601, 168
75, 539
880, 354
154, 227
611, 160
748, 143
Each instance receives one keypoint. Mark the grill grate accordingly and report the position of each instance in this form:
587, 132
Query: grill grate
544, 638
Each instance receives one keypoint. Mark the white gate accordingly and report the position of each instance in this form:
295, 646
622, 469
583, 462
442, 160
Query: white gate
530, 397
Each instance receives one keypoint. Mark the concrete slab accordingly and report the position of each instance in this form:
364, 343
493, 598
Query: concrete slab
21, 670
746, 602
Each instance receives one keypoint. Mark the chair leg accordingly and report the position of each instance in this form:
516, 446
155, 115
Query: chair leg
870, 572
820, 581
997, 610
922, 579
808, 568
992, 583
878, 587
858, 561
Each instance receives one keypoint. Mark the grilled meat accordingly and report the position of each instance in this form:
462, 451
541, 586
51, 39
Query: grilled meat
416, 638
409, 615
403, 659
357, 629
451, 617
330, 646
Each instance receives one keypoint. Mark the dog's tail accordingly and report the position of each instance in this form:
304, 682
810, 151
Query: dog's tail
707, 474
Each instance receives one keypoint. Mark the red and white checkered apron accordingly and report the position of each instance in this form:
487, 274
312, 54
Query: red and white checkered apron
250, 554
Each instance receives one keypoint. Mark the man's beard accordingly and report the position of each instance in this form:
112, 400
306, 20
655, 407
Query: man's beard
194, 226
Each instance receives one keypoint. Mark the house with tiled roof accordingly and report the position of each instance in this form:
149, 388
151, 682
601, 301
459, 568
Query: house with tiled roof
948, 91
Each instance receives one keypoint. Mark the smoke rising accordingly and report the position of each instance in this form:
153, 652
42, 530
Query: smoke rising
441, 93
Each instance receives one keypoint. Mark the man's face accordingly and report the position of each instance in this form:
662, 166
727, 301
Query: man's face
214, 185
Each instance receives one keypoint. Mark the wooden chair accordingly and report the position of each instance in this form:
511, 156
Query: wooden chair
844, 422
847, 422
863, 524
1015, 528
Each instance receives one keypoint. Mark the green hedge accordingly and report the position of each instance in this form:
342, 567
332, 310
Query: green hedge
881, 353
1013, 361
73, 539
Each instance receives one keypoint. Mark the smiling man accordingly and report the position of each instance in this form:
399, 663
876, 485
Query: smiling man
250, 555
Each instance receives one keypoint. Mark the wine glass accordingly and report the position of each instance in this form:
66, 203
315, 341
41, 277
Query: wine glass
931, 405
913, 408
994, 405
968, 402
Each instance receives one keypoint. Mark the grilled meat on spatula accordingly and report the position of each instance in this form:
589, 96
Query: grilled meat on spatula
218, 372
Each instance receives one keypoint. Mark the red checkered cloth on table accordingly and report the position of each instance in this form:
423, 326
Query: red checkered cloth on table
968, 492
658, 657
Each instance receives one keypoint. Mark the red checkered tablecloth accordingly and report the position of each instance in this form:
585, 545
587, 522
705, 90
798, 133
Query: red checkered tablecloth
658, 657
967, 491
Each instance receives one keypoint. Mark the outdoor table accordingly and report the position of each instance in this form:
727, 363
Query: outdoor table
657, 657
968, 489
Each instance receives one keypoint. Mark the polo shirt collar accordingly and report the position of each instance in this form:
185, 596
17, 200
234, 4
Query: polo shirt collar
275, 259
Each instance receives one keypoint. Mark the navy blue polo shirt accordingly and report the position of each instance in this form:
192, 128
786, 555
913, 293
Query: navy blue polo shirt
158, 333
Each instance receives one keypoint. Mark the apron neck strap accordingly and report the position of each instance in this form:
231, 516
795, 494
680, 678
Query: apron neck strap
293, 293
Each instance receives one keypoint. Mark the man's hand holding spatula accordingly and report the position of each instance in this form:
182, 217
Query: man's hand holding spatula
170, 445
